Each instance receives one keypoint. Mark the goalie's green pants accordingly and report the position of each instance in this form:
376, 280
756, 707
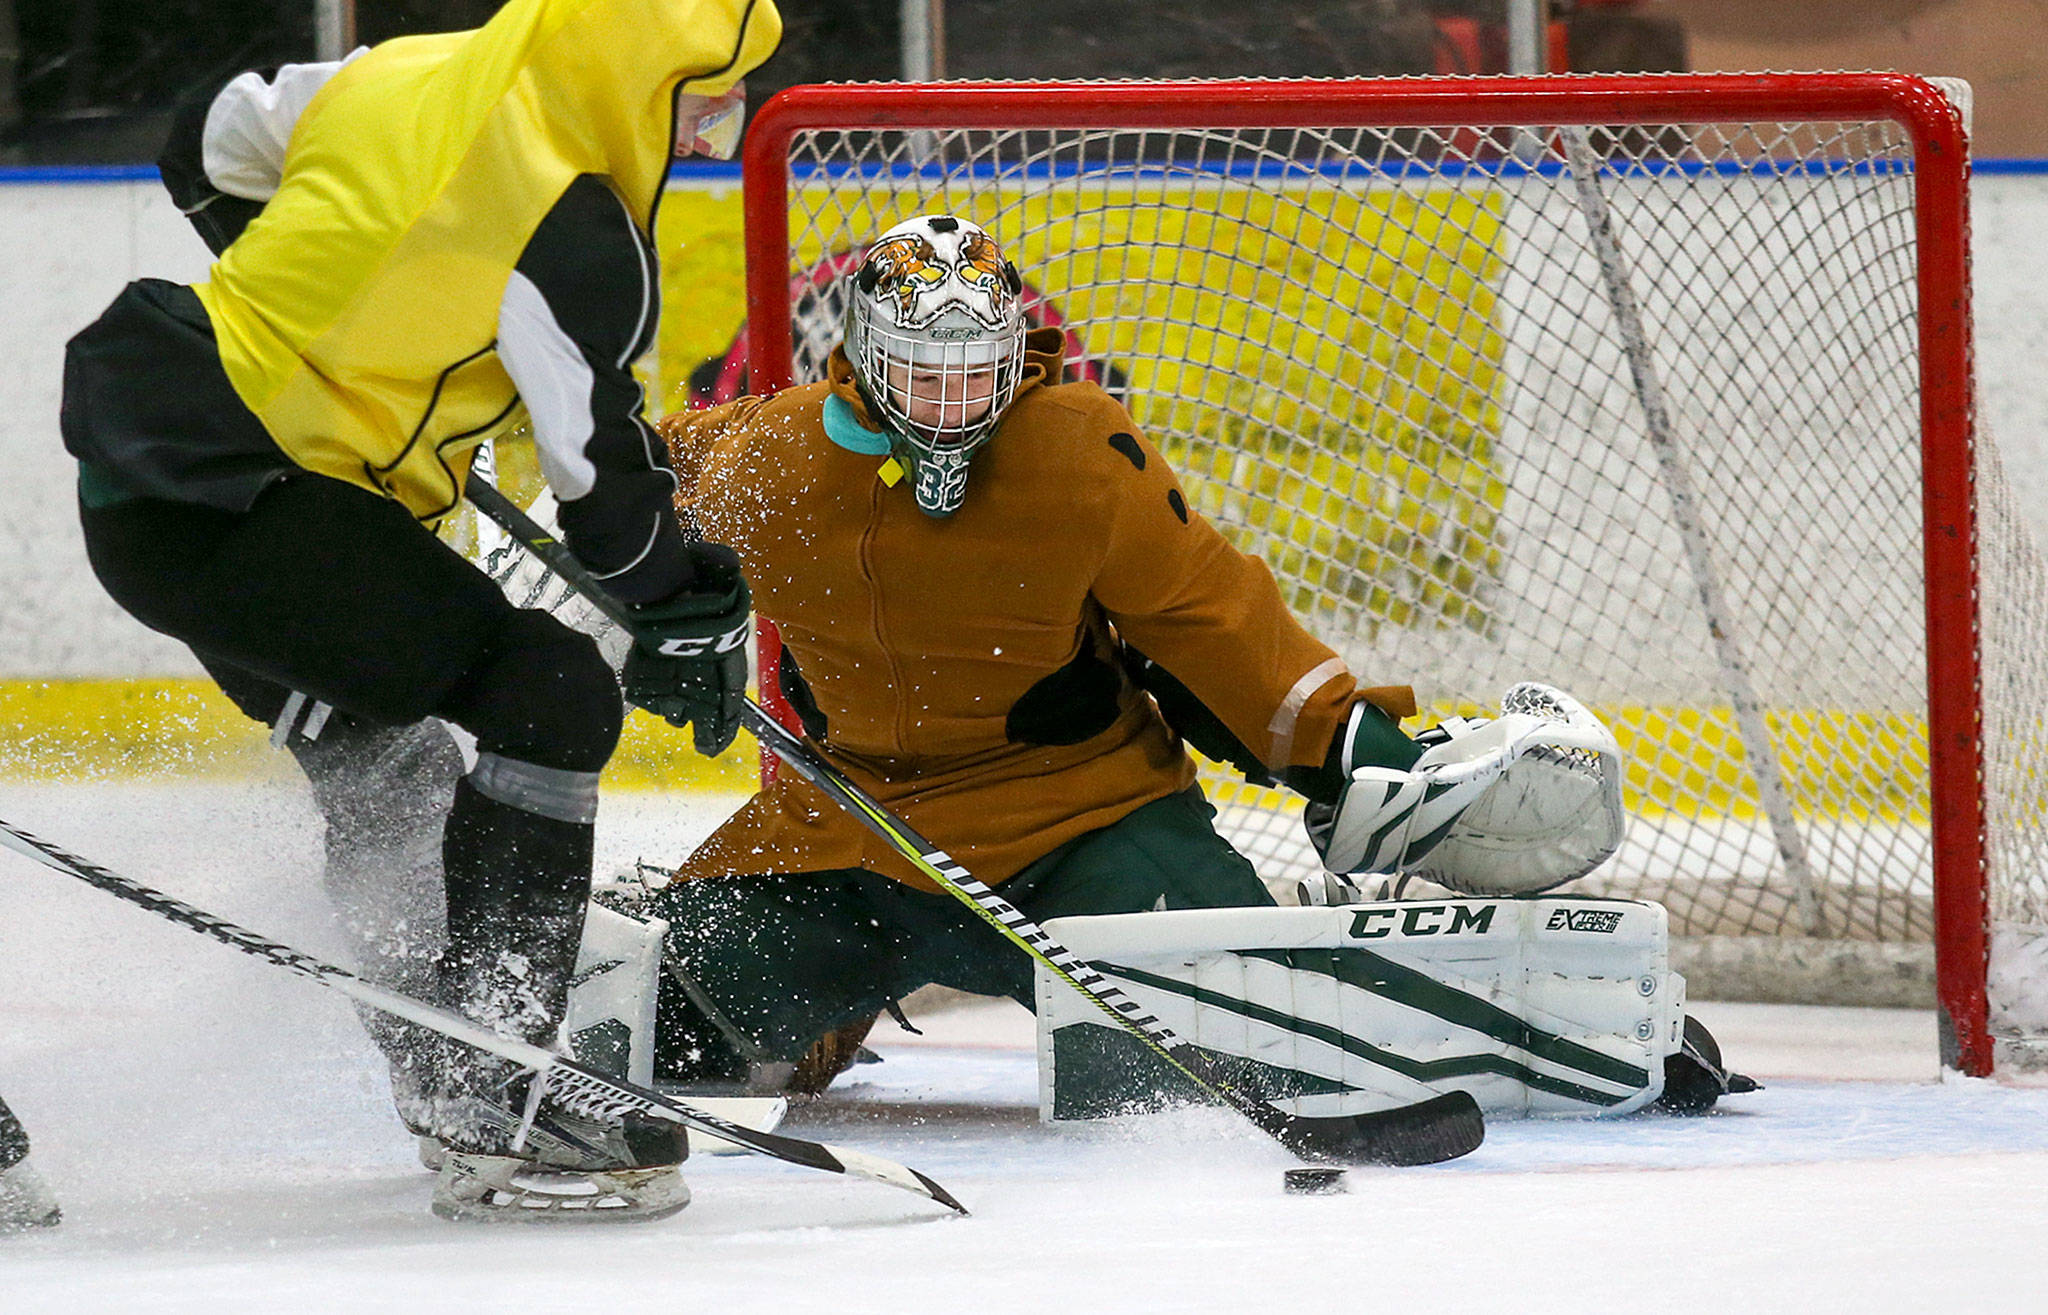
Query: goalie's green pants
760, 967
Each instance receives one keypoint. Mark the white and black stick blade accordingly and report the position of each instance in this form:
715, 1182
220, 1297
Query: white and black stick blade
868, 1166
1427, 1132
584, 1088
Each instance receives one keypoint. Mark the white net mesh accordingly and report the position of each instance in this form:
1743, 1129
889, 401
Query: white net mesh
1390, 363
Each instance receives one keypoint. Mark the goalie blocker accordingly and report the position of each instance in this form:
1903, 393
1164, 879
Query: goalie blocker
1536, 1007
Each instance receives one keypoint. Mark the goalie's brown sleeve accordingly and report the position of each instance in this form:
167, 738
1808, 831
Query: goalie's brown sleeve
1213, 616
964, 670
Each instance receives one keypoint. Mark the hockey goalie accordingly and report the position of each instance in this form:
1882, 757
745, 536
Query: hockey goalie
1002, 618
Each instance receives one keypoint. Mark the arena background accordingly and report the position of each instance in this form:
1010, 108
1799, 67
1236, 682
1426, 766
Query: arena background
85, 88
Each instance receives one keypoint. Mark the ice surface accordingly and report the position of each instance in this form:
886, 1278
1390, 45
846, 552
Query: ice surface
219, 1134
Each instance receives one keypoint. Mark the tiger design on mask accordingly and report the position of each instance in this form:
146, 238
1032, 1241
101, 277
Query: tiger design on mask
906, 267
982, 266
912, 272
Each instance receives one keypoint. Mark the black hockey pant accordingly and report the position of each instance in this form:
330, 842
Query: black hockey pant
333, 592
758, 968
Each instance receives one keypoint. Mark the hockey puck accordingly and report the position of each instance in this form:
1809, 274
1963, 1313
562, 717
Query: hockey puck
1314, 1182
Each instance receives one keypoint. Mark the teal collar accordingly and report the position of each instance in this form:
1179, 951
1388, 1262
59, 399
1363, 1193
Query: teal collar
845, 429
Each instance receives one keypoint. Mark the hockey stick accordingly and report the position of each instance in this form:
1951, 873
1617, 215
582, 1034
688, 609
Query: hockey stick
577, 1087
1440, 1128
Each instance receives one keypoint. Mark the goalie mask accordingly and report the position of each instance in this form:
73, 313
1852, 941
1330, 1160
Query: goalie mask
935, 333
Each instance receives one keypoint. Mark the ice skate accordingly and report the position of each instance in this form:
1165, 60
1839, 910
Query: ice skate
25, 1201
474, 1187
495, 1164
566, 1168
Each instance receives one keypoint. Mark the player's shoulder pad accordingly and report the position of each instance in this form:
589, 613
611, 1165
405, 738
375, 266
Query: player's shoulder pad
1089, 425
1083, 400
803, 400
1098, 443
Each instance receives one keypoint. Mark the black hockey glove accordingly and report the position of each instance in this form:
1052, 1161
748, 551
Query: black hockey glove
688, 664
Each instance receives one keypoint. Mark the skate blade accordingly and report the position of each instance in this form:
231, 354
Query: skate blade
503, 1189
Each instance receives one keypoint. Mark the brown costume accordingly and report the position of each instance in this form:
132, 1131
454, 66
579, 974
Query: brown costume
966, 667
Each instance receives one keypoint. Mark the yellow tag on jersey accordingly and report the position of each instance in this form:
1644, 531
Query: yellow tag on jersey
890, 472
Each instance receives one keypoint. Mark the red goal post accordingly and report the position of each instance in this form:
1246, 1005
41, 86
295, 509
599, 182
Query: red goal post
845, 160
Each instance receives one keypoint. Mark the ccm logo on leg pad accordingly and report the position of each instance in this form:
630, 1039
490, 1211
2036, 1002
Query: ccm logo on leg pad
1420, 920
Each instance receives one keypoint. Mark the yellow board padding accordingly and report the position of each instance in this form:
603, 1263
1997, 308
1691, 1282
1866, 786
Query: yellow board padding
89, 730
1837, 764
700, 235
80, 730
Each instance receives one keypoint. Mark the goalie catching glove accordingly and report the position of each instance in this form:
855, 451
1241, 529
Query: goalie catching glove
1511, 805
688, 663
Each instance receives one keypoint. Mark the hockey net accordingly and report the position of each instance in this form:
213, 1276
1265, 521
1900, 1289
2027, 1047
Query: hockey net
1657, 389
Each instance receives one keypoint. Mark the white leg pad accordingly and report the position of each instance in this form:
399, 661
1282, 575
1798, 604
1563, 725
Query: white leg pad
1537, 1007
611, 1019
611, 997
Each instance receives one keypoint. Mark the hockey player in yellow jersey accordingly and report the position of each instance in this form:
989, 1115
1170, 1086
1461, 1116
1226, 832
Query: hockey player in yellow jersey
429, 244
1002, 618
